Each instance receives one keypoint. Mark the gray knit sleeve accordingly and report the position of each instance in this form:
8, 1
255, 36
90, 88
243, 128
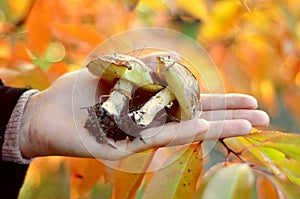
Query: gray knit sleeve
11, 146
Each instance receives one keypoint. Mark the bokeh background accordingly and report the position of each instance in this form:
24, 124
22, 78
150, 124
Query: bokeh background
254, 43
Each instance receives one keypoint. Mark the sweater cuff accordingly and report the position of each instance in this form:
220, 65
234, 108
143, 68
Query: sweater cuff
11, 147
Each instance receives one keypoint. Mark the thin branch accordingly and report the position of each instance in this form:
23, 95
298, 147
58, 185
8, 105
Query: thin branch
231, 151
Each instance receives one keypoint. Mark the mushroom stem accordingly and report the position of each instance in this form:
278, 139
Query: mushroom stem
145, 115
118, 99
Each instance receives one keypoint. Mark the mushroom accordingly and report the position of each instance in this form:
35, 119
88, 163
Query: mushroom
118, 118
183, 84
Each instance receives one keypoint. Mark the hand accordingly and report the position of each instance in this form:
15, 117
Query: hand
48, 126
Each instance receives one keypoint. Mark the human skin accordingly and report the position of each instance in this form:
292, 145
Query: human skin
48, 127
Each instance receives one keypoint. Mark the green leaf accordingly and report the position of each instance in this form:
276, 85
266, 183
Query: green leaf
231, 182
257, 154
279, 152
262, 136
289, 144
291, 169
178, 179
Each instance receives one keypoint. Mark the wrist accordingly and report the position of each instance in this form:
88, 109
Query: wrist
27, 128
11, 149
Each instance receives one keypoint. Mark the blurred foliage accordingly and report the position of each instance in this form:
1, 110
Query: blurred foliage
255, 45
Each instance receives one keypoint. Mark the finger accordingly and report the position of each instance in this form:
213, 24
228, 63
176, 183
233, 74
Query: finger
227, 101
226, 128
190, 132
255, 117
170, 134
173, 134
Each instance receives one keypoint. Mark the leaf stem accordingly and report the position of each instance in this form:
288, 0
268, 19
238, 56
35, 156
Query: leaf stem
231, 151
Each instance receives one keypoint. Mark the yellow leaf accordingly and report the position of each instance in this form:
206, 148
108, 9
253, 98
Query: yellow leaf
157, 5
84, 174
222, 20
130, 174
289, 144
18, 9
291, 168
178, 179
278, 151
267, 90
195, 8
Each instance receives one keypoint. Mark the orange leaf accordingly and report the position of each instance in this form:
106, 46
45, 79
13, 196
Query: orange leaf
12, 77
56, 70
84, 174
5, 50
265, 189
284, 187
134, 168
38, 30
81, 32
23, 73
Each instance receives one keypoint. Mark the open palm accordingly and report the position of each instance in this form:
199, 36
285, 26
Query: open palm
53, 122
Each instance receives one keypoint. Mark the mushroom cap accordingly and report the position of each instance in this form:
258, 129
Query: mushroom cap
183, 84
115, 66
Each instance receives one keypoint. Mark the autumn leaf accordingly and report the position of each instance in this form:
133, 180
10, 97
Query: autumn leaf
130, 174
16, 11
178, 179
288, 144
38, 30
222, 18
195, 8
84, 174
290, 168
255, 45
278, 151
56, 70
265, 189
286, 188
24, 74
292, 96
81, 33
230, 182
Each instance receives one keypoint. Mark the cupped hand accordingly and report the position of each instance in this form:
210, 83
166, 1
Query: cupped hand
49, 126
